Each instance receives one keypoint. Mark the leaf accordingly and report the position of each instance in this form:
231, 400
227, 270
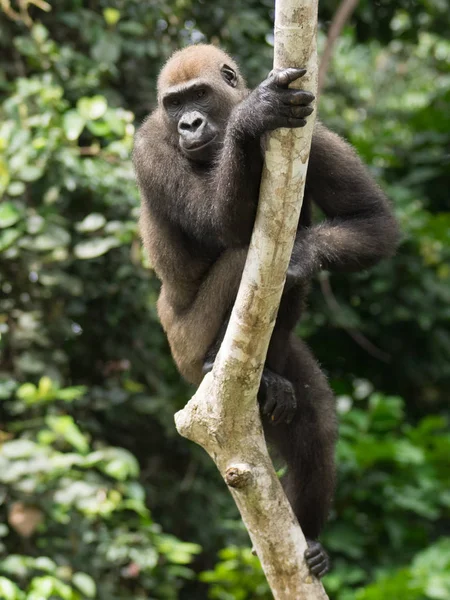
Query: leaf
92, 108
7, 387
27, 392
117, 462
15, 565
65, 426
4, 177
116, 122
50, 587
31, 172
386, 411
95, 247
73, 124
71, 393
99, 128
19, 141
107, 49
44, 563
179, 552
39, 33
63, 281
408, 454
45, 387
8, 237
111, 16
30, 362
145, 558
92, 222
85, 584
52, 237
35, 224
18, 449
9, 590
9, 214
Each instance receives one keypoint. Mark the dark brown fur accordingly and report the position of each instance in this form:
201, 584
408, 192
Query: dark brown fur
196, 223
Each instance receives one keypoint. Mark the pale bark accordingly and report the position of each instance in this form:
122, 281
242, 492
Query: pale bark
223, 415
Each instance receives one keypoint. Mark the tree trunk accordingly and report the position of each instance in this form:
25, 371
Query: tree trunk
223, 415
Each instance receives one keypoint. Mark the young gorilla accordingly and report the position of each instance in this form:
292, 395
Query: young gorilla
198, 159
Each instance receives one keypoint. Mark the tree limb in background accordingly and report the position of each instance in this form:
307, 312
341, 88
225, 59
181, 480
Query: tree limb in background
223, 416
358, 337
342, 15
22, 14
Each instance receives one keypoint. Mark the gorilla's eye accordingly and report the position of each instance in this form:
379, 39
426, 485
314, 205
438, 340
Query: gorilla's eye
201, 93
174, 102
229, 75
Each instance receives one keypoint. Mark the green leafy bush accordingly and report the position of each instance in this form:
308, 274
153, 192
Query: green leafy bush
94, 534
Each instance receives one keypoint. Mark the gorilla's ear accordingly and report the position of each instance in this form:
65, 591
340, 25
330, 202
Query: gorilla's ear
229, 75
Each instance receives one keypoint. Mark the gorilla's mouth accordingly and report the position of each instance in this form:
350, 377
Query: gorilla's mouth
199, 144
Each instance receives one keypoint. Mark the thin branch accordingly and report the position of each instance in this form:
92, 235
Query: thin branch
342, 15
356, 335
22, 15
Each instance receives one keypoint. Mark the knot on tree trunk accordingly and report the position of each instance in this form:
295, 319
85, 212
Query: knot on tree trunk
238, 476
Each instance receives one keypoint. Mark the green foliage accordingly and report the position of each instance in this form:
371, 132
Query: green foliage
427, 577
401, 470
96, 489
237, 576
86, 507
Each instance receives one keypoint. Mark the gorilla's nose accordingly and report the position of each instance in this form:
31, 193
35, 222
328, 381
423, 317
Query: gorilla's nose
191, 123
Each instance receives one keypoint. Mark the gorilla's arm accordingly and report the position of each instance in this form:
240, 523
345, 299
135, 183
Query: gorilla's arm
193, 330
360, 228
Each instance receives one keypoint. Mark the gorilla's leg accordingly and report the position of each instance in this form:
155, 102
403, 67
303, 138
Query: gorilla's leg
276, 394
307, 445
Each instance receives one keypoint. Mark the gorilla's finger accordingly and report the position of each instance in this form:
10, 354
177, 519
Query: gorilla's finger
300, 112
289, 75
297, 97
284, 77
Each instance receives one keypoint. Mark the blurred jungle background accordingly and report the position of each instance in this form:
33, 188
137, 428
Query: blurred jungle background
99, 496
